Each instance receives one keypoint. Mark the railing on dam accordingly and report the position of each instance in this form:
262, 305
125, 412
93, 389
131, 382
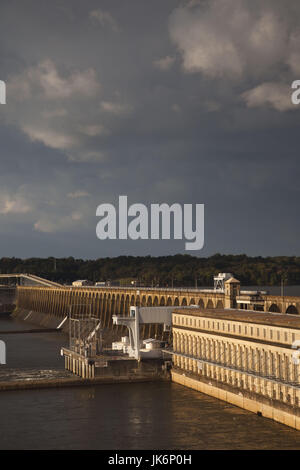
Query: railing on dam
149, 289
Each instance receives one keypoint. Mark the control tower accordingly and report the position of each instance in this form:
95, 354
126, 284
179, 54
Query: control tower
219, 281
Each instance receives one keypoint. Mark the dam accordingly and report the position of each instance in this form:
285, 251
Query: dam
238, 346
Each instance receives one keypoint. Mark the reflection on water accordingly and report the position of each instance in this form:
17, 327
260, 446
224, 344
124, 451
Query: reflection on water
30, 350
133, 416
124, 416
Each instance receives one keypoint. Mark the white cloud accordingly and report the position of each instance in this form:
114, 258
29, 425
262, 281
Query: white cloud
45, 206
14, 205
50, 137
165, 63
46, 225
275, 95
233, 38
51, 223
293, 58
45, 80
16, 201
242, 40
60, 109
104, 18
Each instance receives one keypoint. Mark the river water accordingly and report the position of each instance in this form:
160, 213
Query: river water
123, 416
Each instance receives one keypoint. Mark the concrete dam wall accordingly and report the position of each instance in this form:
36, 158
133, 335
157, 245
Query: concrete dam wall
48, 307
7, 299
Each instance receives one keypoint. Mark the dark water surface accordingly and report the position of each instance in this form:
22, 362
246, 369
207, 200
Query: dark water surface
125, 416
133, 416
30, 350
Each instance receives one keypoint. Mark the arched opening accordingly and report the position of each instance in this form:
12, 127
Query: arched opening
93, 303
127, 302
201, 303
113, 304
117, 310
274, 308
169, 302
162, 302
122, 305
184, 303
155, 303
144, 301
104, 300
176, 302
109, 310
220, 304
210, 304
149, 302
192, 301
292, 310
97, 305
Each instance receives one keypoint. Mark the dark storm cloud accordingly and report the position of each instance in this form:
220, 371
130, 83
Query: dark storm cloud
163, 101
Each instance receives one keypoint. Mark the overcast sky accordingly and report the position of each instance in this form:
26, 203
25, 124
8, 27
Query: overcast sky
163, 101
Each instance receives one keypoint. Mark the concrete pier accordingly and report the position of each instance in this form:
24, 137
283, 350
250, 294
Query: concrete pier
109, 364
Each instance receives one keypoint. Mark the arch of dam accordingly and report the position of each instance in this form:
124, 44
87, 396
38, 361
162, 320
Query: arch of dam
104, 302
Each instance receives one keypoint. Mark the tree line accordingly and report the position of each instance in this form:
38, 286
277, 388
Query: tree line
164, 271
